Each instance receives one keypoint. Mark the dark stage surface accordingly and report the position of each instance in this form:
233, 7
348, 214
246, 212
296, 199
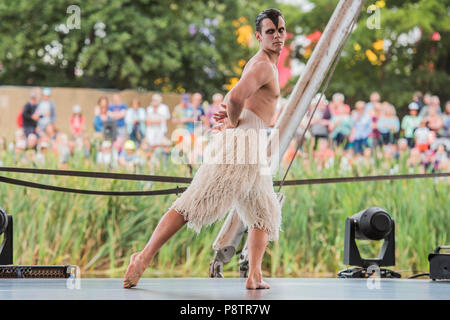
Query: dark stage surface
224, 289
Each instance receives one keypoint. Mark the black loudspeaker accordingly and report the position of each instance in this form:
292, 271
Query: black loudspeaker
439, 264
110, 130
6, 247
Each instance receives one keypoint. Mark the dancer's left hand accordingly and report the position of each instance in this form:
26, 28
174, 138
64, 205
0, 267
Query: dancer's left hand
222, 114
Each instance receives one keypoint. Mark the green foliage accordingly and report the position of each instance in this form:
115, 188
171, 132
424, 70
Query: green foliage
147, 44
124, 44
99, 233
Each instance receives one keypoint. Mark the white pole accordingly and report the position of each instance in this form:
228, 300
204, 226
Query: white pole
316, 69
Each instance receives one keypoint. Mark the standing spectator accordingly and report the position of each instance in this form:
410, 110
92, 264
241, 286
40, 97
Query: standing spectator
217, 100
117, 112
375, 135
446, 132
435, 121
29, 115
47, 111
101, 115
423, 137
135, 121
362, 127
388, 123
433, 102
161, 109
337, 102
410, 123
340, 125
154, 133
373, 100
77, 121
417, 98
179, 116
318, 125
199, 112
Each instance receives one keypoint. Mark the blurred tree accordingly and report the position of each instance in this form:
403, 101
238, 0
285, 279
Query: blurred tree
203, 45
155, 45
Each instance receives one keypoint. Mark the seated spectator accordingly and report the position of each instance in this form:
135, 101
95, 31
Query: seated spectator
42, 151
32, 141
410, 123
46, 110
340, 125
135, 121
402, 148
107, 156
422, 136
117, 112
435, 121
324, 155
319, 125
77, 121
362, 127
441, 160
388, 124
127, 157
414, 160
375, 136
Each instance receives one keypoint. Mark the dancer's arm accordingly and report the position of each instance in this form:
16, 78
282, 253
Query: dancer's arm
257, 76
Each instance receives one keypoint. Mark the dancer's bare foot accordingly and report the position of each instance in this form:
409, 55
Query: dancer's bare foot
255, 281
135, 270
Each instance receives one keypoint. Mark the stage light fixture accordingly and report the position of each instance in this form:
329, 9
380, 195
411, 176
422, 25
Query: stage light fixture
374, 224
6, 247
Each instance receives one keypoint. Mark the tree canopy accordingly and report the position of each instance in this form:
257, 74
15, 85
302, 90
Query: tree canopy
187, 46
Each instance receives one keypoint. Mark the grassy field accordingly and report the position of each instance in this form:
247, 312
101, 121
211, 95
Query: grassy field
98, 233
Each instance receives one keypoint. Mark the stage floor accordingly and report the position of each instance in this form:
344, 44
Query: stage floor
224, 289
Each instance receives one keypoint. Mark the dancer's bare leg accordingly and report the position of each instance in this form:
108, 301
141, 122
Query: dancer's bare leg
256, 243
169, 224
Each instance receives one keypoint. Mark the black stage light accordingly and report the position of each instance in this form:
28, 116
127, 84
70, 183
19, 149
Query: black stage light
6, 247
440, 264
7, 270
373, 223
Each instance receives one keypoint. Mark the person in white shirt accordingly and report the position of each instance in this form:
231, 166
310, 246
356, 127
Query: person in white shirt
157, 115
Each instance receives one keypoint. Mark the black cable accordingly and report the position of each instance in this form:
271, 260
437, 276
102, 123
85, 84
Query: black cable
419, 275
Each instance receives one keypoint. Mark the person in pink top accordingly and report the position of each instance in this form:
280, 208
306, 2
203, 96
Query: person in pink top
338, 101
77, 121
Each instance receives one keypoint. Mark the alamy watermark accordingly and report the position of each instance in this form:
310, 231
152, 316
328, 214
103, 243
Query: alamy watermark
229, 146
74, 20
374, 21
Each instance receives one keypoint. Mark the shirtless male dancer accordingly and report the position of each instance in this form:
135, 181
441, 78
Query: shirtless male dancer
250, 104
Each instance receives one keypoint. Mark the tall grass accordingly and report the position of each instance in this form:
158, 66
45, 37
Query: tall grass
99, 233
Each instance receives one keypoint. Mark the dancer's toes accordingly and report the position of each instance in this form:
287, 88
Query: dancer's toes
134, 271
256, 282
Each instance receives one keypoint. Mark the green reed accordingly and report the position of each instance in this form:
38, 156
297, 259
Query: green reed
99, 233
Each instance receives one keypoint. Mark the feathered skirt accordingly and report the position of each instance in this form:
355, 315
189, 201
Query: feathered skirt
234, 174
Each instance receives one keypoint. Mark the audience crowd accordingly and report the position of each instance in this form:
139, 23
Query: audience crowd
135, 136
